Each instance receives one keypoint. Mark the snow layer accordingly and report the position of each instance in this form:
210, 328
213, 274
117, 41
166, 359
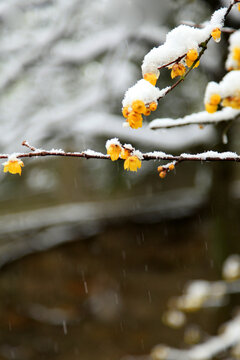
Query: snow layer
179, 41
94, 153
234, 42
144, 91
128, 147
211, 155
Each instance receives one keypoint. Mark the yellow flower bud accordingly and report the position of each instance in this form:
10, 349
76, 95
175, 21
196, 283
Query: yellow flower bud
238, 7
216, 34
178, 70
125, 111
162, 174
153, 106
210, 108
132, 163
171, 167
150, 77
147, 112
215, 99
114, 151
14, 166
138, 106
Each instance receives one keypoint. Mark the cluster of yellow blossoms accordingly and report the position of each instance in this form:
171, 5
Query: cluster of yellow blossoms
163, 170
179, 69
127, 152
133, 112
13, 166
215, 99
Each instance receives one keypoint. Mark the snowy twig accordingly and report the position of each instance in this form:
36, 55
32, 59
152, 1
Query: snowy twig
156, 155
25, 143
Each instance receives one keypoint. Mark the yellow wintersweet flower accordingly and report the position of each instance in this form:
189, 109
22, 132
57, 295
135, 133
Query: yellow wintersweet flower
191, 56
13, 165
215, 99
125, 153
138, 106
114, 151
132, 163
238, 7
153, 106
211, 108
135, 120
178, 70
216, 34
150, 77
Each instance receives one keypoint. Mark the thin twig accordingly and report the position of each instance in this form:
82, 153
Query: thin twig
25, 143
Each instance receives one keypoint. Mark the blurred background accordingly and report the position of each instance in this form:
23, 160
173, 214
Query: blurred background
90, 254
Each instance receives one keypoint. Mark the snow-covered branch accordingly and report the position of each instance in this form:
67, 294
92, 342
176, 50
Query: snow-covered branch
200, 118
